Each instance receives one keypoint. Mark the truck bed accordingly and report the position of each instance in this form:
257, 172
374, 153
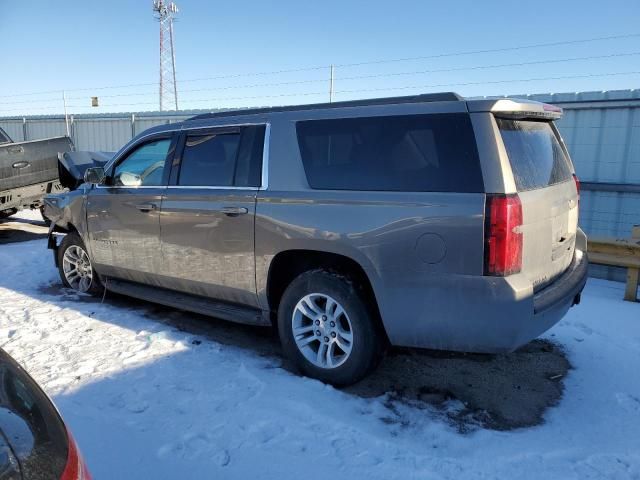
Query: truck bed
30, 163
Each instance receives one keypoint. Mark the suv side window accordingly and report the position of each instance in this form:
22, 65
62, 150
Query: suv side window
209, 160
144, 166
412, 153
223, 159
249, 167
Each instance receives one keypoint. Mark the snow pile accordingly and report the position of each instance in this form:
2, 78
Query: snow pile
147, 401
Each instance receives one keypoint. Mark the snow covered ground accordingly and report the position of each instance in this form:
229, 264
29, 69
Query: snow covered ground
146, 400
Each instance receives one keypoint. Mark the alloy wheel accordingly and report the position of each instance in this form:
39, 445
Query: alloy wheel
322, 330
77, 268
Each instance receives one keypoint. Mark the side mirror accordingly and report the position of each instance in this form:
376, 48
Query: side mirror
94, 175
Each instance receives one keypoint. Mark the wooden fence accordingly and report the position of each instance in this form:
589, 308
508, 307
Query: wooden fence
619, 252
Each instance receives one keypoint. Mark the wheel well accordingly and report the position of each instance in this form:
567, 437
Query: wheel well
68, 228
286, 266
53, 244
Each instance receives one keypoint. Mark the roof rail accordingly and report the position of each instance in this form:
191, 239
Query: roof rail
425, 97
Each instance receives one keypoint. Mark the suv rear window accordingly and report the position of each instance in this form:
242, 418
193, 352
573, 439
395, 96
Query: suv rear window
536, 156
414, 153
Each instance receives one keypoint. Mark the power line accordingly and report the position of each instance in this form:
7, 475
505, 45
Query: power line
356, 64
357, 77
393, 74
185, 101
515, 80
491, 82
220, 77
483, 67
252, 97
494, 50
408, 87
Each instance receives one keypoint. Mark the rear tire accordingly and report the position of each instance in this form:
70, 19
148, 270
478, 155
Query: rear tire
75, 267
336, 339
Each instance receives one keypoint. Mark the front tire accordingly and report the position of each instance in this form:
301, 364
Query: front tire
75, 267
327, 329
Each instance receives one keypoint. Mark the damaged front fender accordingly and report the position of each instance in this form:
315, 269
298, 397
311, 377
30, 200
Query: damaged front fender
72, 165
67, 213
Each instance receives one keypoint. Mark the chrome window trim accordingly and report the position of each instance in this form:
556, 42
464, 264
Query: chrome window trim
264, 179
133, 187
209, 187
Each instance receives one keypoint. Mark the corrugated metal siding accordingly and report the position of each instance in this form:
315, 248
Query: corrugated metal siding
45, 129
103, 132
143, 123
13, 128
106, 135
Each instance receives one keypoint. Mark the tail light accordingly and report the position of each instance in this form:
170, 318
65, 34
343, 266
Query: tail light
503, 238
575, 179
75, 469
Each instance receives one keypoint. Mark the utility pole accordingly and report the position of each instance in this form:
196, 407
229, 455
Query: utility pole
66, 117
165, 12
331, 84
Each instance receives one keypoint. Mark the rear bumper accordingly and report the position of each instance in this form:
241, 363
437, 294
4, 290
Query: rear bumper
567, 287
478, 314
551, 304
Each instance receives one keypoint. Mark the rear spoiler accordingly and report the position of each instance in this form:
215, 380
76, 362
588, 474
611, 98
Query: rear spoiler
516, 109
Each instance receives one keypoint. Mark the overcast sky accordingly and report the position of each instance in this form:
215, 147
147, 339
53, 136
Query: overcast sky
71, 45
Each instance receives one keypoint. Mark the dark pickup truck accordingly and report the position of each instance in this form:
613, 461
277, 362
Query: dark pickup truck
28, 171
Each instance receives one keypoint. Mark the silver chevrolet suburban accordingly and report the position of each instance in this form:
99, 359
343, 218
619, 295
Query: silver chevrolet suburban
425, 221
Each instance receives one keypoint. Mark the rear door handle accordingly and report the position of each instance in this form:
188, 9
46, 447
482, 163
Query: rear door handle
234, 211
146, 207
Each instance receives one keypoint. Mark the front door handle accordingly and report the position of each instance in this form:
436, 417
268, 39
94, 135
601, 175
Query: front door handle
20, 165
234, 211
146, 207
